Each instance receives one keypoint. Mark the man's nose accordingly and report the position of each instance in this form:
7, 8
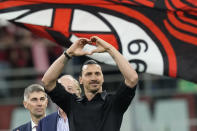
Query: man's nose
39, 102
94, 77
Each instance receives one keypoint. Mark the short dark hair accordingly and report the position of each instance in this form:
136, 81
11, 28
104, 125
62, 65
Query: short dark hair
88, 62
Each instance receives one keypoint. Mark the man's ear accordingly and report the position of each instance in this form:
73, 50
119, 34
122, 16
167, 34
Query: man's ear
25, 104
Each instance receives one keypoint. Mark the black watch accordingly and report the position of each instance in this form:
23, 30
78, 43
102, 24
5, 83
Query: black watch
66, 55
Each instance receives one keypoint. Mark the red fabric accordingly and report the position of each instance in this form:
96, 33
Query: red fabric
5, 113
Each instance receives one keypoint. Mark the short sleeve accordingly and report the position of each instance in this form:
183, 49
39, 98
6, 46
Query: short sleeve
123, 97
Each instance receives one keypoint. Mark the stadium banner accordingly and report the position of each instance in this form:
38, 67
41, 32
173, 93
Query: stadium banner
157, 37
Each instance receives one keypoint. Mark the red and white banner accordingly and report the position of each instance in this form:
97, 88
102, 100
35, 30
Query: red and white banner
157, 37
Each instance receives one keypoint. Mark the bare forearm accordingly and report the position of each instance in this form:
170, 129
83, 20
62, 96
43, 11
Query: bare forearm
130, 75
125, 68
52, 74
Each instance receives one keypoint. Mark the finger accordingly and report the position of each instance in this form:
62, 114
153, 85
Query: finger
93, 39
85, 41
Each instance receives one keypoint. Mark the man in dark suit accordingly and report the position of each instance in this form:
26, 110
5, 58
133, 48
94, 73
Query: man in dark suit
58, 121
35, 100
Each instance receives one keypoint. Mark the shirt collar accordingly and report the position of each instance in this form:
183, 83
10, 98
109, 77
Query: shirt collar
102, 95
33, 124
58, 112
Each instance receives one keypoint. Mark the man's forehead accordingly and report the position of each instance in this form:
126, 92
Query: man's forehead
37, 94
85, 67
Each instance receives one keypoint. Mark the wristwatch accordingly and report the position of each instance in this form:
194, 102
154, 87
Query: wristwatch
66, 55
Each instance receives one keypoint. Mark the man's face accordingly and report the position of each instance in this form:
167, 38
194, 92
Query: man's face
70, 85
92, 78
36, 104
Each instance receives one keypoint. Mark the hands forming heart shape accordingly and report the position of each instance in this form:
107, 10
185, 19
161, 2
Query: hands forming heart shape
76, 49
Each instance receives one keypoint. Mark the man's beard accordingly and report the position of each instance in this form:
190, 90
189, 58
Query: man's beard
94, 91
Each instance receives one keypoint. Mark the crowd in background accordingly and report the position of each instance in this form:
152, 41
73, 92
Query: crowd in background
15, 47
16, 53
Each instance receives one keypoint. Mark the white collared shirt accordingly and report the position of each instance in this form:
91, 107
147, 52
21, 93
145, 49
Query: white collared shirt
62, 125
33, 126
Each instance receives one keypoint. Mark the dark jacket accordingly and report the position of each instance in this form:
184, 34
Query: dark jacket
25, 127
48, 123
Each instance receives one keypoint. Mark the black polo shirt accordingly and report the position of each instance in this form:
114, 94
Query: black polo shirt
103, 113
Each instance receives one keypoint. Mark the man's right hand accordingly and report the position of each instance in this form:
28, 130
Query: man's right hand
76, 49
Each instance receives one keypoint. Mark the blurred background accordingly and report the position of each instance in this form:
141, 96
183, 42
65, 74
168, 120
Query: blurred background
161, 103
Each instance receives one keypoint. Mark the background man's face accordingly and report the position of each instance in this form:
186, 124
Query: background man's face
70, 85
36, 104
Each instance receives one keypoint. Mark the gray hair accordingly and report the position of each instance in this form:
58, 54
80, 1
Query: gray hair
77, 85
33, 88
75, 82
